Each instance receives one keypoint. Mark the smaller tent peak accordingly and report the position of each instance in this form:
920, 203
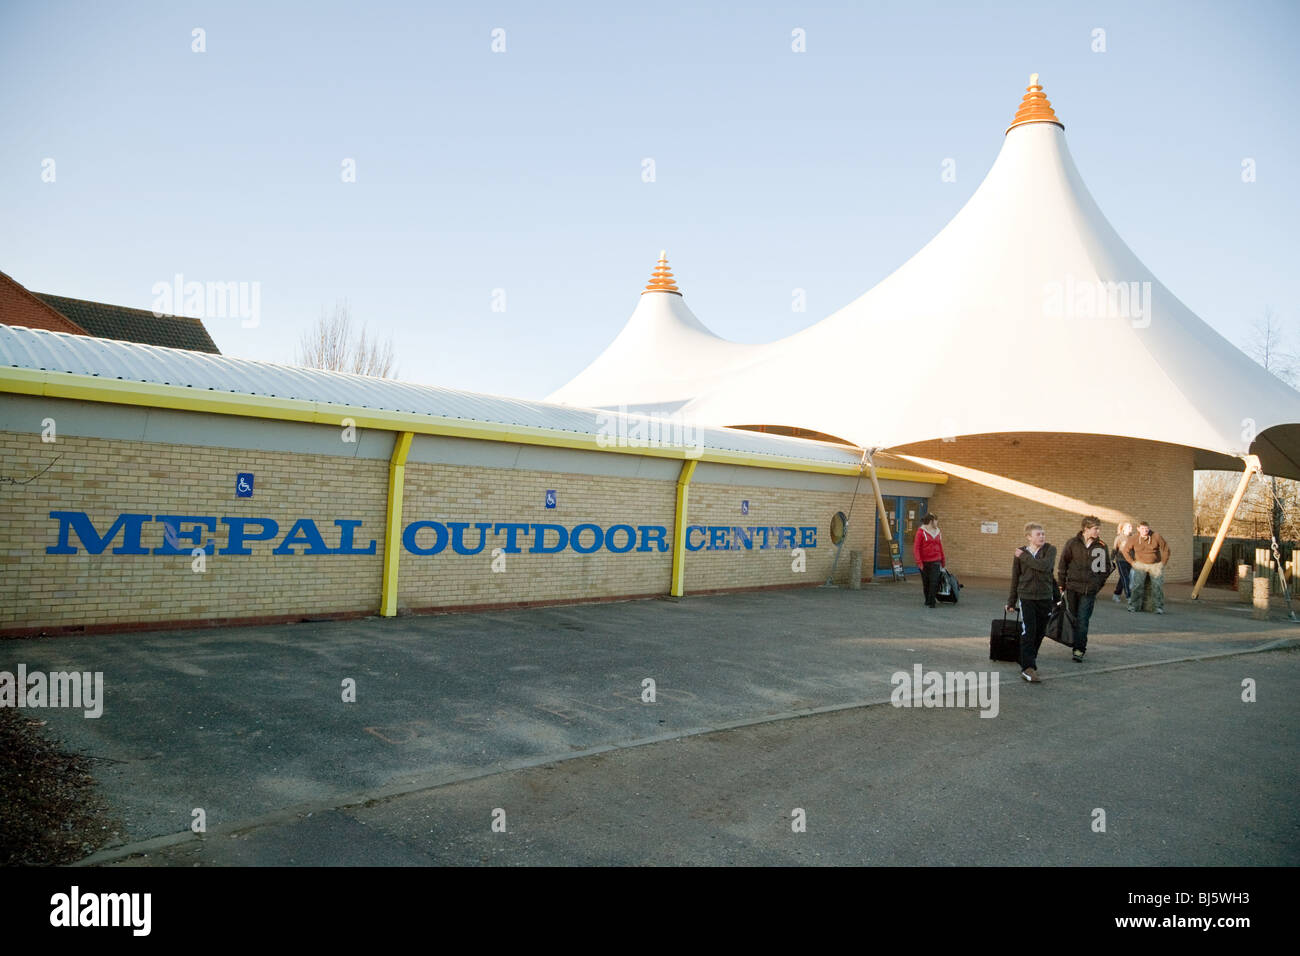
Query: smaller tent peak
661, 280
1035, 107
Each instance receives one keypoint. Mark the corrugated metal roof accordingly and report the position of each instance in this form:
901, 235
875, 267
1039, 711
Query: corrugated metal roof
38, 349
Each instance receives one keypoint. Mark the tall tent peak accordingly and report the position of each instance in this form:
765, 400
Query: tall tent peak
661, 280
1035, 107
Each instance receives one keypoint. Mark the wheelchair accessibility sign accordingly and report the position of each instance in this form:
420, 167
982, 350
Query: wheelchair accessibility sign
244, 484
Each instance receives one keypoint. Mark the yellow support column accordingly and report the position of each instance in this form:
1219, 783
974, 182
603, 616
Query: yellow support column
679, 529
393, 531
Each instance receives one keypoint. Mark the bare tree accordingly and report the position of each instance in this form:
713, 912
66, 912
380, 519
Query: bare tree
1268, 344
1210, 500
331, 344
1270, 506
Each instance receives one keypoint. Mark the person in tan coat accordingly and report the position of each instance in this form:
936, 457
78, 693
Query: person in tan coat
1122, 587
1148, 552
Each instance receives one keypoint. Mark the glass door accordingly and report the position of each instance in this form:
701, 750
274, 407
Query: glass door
911, 512
883, 563
905, 516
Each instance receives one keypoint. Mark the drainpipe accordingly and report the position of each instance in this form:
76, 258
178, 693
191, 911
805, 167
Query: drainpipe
393, 529
679, 529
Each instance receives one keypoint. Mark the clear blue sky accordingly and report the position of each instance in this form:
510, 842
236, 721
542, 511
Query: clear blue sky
521, 170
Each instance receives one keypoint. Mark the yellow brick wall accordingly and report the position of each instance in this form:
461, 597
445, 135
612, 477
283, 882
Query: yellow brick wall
458, 493
781, 507
447, 493
1056, 480
106, 478
1009, 479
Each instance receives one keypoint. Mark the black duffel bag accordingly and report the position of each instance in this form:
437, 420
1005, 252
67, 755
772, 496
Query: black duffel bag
948, 587
1060, 624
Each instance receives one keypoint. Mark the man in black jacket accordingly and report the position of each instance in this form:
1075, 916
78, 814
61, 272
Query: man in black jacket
1033, 586
1085, 566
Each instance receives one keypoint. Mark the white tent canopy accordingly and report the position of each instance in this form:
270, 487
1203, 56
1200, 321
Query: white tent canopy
1028, 275
663, 358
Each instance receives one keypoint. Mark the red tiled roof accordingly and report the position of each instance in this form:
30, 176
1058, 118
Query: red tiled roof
20, 307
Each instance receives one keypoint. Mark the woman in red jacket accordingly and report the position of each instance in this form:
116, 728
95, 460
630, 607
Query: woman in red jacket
927, 548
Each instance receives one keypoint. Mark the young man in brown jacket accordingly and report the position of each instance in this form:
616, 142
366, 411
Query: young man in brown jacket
1034, 587
1085, 566
1148, 552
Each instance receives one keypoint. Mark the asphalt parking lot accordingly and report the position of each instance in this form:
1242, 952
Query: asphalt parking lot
775, 697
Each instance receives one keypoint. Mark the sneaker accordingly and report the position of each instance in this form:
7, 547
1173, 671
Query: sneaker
1116, 599
1132, 609
1160, 610
1078, 656
1031, 675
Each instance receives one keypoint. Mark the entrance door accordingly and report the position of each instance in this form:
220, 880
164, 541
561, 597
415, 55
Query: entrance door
884, 565
905, 515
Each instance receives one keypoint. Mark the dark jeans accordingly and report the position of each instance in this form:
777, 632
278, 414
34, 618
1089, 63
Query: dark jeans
1122, 585
1033, 625
1080, 605
930, 581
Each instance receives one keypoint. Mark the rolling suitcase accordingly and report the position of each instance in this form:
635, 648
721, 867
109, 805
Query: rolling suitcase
1004, 639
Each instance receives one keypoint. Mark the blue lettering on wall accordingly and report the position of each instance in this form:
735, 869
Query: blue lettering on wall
539, 539
181, 534
268, 529
597, 538
512, 536
457, 529
691, 545
624, 529
173, 534
346, 529
415, 527
652, 532
305, 534
79, 522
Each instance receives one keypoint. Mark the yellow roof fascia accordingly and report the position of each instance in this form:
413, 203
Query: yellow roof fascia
93, 388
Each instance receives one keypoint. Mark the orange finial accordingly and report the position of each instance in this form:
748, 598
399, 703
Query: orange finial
1035, 107
661, 280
